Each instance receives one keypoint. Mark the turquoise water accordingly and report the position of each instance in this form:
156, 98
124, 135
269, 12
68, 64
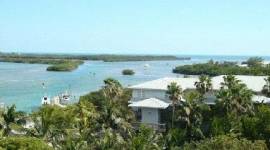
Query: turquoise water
21, 84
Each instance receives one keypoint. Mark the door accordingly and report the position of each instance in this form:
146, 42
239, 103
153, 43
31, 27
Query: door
150, 115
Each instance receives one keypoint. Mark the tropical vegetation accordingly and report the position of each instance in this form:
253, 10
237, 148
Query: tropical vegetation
65, 66
128, 72
102, 120
65, 62
54, 64
211, 68
254, 62
266, 87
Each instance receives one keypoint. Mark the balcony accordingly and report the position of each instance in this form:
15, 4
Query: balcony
156, 126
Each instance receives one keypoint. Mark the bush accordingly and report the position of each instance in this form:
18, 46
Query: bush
226, 142
254, 62
29, 143
128, 72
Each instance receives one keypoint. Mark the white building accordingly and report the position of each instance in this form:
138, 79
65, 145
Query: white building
149, 99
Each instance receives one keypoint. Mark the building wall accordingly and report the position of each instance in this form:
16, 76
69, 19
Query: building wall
141, 94
138, 94
150, 115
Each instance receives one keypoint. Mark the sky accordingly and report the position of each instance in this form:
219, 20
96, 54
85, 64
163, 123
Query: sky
183, 27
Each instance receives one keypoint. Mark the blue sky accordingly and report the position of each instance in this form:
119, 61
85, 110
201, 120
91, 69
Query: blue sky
216, 27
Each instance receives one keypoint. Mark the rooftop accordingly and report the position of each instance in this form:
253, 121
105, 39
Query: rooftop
255, 83
150, 103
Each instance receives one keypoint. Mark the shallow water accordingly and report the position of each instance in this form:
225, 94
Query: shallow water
21, 84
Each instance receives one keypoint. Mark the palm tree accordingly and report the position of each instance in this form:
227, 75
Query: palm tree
9, 117
52, 123
190, 113
85, 128
86, 115
266, 87
174, 91
234, 96
146, 138
112, 88
115, 112
105, 114
204, 85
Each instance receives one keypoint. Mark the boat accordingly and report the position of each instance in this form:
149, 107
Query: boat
146, 65
45, 100
65, 98
61, 99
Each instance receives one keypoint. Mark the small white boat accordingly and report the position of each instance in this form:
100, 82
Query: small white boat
45, 100
146, 65
65, 98
56, 101
60, 100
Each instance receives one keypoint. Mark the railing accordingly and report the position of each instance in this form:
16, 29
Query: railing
156, 126
136, 99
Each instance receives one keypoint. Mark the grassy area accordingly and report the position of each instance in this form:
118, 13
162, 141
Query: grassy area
215, 68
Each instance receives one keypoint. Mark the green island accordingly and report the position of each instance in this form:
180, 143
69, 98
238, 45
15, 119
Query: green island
67, 65
128, 72
54, 64
65, 62
102, 120
253, 66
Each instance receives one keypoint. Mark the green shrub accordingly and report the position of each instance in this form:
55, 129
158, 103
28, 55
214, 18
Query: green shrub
226, 142
23, 143
128, 72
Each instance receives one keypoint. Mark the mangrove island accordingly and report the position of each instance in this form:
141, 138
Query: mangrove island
253, 66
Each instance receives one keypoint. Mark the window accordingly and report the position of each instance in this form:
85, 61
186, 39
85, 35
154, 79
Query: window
167, 96
143, 93
137, 93
139, 114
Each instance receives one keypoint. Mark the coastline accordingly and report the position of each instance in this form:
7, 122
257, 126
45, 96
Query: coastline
25, 90
68, 63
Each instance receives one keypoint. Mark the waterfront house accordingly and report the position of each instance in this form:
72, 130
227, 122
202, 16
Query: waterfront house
150, 101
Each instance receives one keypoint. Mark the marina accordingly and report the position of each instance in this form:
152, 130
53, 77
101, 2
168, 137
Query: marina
22, 84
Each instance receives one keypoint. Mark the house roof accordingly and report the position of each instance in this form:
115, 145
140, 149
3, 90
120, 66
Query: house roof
162, 83
150, 103
260, 99
255, 83
255, 99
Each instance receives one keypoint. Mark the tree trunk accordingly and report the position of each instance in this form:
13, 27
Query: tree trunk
173, 109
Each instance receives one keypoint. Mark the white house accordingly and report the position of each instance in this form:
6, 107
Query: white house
150, 98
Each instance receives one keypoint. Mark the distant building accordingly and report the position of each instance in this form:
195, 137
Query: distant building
149, 99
